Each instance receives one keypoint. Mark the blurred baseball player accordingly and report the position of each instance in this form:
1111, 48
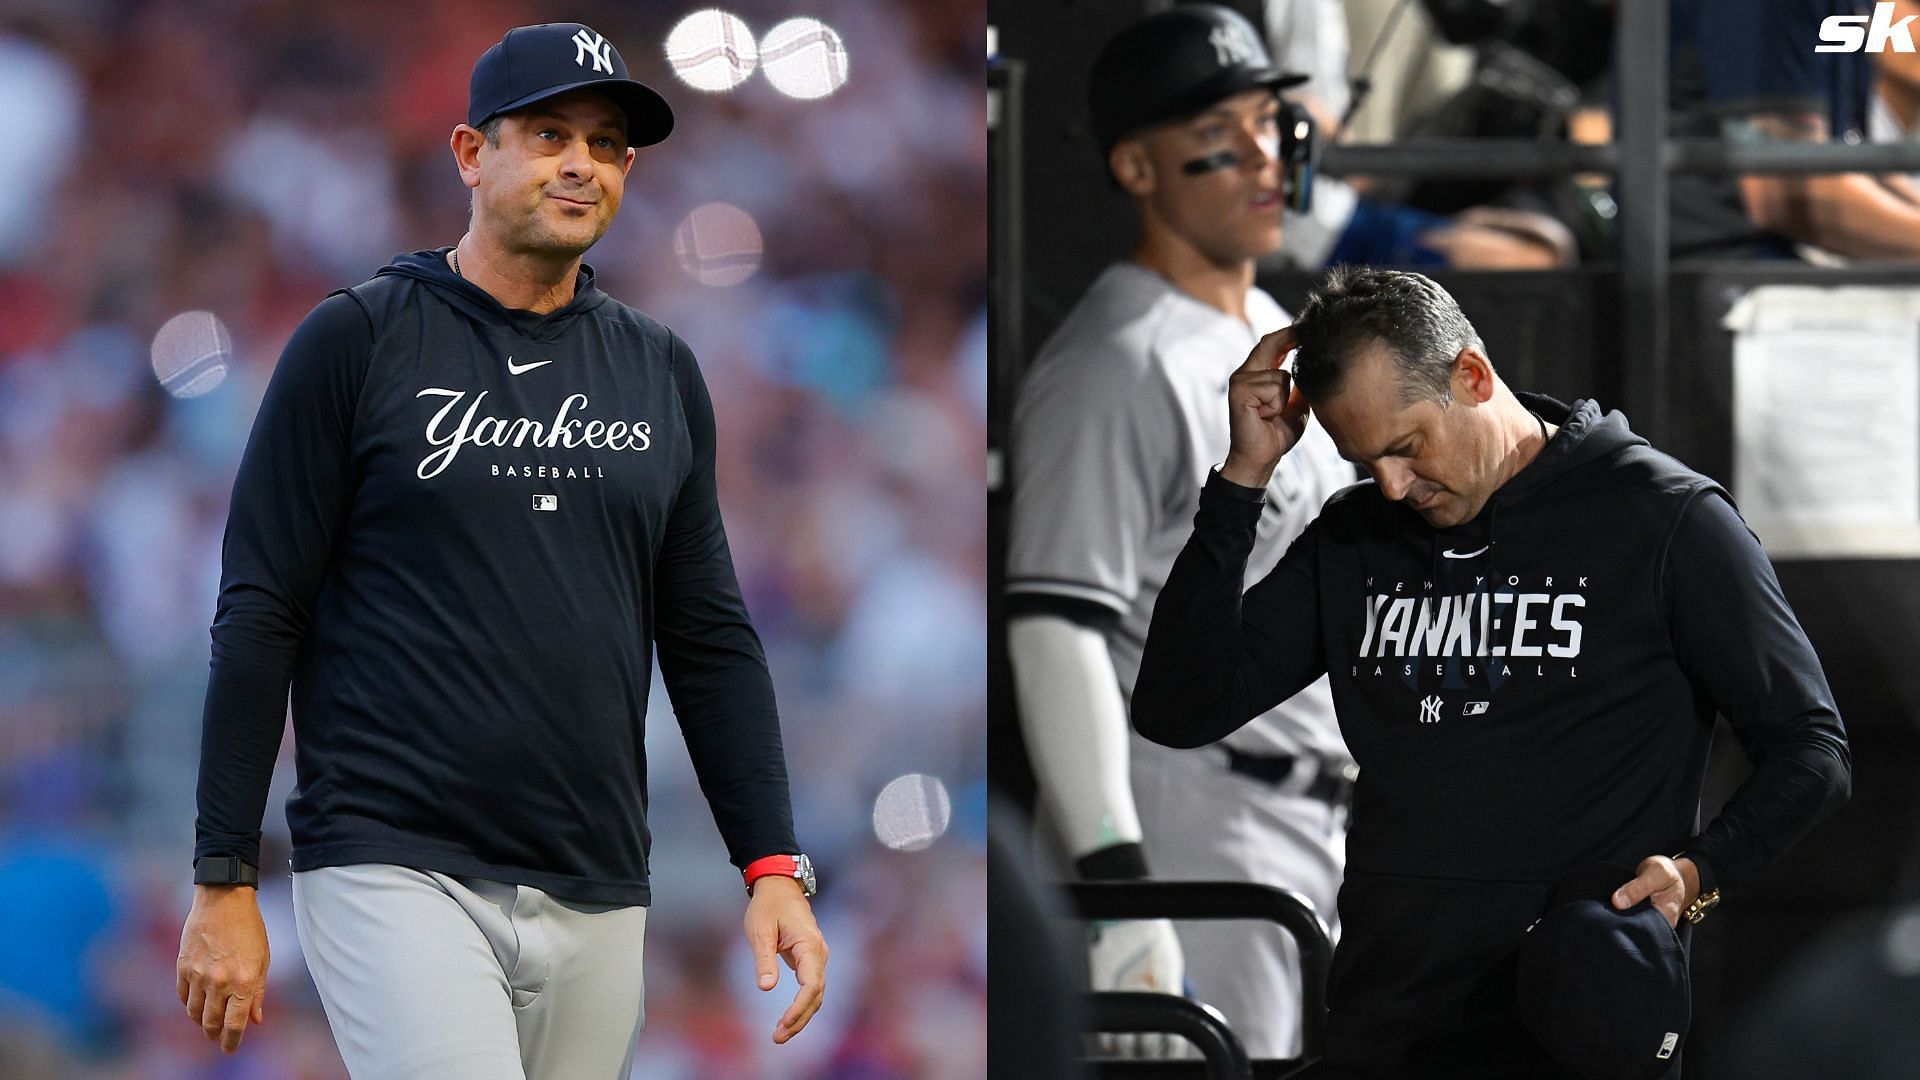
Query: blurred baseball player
1531, 618
1113, 433
479, 491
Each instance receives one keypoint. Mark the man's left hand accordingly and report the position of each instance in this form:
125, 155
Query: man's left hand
1672, 883
779, 920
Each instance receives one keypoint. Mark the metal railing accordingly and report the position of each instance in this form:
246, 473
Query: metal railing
1528, 158
1131, 1011
1216, 900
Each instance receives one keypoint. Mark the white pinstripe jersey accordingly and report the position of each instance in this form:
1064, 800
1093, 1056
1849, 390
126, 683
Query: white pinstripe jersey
1114, 431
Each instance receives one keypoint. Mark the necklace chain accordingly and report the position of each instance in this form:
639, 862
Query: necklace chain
456, 263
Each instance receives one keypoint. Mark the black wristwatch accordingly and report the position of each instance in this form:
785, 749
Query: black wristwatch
225, 870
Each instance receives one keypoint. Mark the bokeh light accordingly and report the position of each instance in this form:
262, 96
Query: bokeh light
718, 244
804, 58
912, 812
191, 353
712, 50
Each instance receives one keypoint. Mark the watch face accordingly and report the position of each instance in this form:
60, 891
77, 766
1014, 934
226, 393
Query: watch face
803, 869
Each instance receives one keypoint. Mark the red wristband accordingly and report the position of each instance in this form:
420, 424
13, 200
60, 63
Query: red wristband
771, 866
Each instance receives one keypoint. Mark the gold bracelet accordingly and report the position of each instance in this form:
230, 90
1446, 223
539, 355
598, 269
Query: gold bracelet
1696, 912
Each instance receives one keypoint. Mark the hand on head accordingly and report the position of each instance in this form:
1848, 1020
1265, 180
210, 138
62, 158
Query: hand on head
1266, 412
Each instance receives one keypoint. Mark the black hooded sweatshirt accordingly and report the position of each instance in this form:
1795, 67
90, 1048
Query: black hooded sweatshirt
1526, 693
458, 531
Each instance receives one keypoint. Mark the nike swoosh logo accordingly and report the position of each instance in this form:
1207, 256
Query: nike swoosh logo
1451, 554
522, 369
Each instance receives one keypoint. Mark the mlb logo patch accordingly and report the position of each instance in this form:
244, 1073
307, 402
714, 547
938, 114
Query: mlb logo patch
1474, 708
546, 502
1667, 1044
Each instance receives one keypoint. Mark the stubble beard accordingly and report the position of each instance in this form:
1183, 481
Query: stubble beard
536, 235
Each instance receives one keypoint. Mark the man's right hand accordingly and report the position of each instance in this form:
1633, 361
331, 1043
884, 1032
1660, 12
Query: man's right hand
222, 971
1267, 413
1138, 954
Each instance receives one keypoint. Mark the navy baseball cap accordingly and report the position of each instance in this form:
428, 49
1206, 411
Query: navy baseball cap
1176, 63
533, 63
1607, 992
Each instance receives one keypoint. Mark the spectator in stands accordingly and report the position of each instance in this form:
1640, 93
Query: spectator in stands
1749, 72
1894, 113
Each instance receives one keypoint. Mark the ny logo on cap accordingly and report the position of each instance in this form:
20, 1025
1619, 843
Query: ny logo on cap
587, 43
1233, 44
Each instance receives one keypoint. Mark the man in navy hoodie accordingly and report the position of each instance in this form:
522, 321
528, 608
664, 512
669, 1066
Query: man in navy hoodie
478, 494
1530, 618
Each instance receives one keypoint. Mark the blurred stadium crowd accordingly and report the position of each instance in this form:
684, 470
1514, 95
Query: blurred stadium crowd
244, 157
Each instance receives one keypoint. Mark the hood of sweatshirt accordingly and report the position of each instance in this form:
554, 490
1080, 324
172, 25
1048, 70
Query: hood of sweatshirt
430, 268
1586, 435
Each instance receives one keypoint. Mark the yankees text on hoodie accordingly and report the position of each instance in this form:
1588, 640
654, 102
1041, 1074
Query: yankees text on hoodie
459, 531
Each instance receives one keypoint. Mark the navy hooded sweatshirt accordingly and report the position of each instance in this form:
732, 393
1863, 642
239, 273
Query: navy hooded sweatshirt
458, 532
1526, 693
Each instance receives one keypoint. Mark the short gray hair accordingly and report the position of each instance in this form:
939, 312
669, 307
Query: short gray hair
1410, 314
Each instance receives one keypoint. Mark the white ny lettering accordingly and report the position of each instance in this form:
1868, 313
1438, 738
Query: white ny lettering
587, 43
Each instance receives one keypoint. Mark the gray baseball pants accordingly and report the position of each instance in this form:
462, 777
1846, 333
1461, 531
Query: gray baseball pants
432, 977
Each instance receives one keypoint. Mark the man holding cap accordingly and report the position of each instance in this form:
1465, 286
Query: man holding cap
1113, 434
479, 492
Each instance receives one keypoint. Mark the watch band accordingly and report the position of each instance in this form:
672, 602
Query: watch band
1696, 912
225, 870
797, 867
1709, 897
